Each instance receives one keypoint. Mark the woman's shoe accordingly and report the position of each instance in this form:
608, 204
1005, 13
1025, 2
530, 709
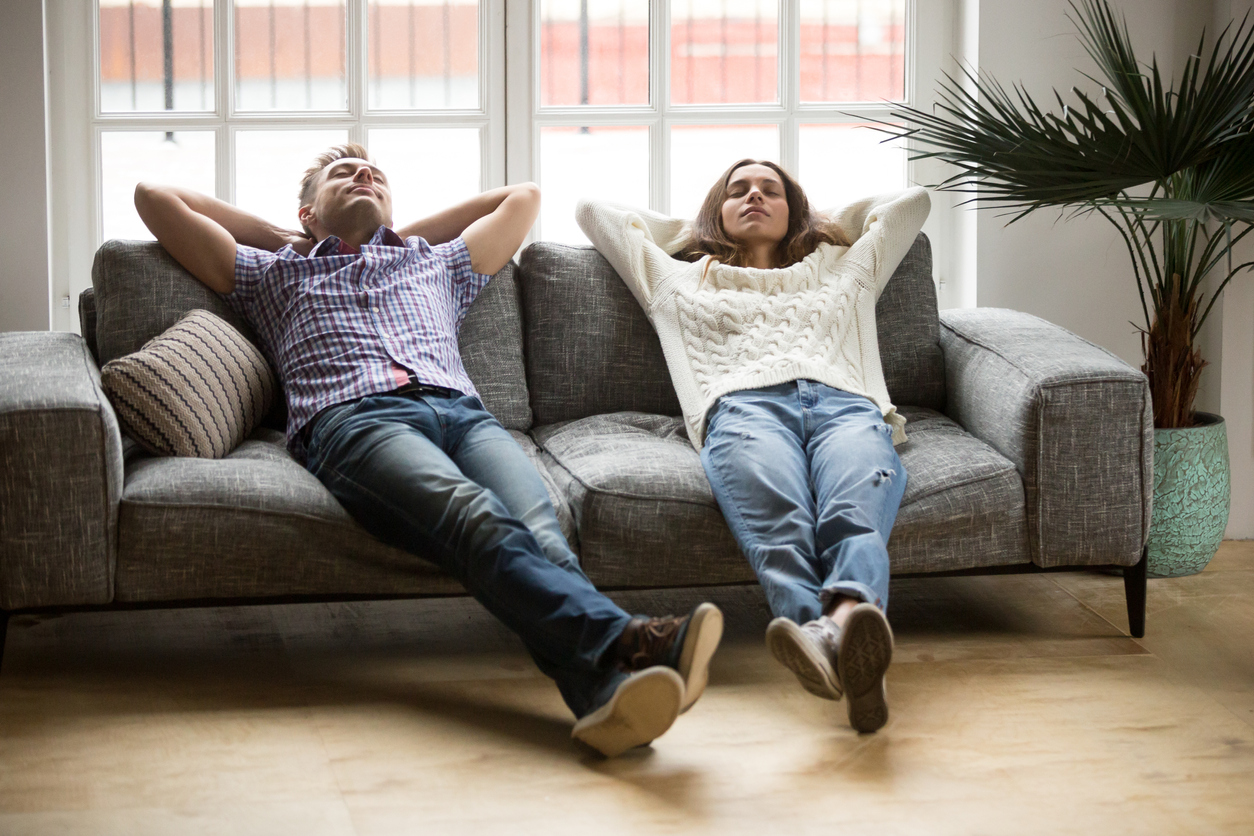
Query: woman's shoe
809, 651
862, 658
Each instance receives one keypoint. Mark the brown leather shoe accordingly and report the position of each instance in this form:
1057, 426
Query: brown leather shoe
685, 644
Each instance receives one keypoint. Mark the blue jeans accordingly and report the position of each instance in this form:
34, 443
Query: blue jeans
440, 478
808, 480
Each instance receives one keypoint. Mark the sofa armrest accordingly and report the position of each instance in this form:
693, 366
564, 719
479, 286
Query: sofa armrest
60, 474
1075, 420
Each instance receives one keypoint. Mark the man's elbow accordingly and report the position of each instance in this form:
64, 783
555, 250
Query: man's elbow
529, 192
143, 195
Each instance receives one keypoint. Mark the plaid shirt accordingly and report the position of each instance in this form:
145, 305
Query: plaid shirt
334, 323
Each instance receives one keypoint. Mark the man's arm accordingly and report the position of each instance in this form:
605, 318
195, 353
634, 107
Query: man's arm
201, 232
492, 224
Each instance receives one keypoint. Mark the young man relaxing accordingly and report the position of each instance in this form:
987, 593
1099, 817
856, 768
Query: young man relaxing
361, 322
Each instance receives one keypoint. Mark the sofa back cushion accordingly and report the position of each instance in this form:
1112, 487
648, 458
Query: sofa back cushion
907, 322
592, 350
139, 291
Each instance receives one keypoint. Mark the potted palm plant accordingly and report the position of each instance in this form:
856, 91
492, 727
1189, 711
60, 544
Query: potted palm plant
1172, 168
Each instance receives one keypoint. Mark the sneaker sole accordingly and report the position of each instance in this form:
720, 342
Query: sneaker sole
866, 649
640, 711
790, 646
705, 631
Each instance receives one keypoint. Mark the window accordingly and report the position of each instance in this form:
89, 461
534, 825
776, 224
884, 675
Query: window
646, 103
639, 101
235, 97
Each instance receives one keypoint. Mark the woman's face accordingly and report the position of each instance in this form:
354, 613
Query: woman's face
756, 208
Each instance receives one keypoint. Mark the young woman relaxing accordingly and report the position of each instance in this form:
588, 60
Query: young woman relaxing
766, 314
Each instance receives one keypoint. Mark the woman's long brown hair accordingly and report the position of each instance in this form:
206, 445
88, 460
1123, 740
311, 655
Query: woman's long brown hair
806, 228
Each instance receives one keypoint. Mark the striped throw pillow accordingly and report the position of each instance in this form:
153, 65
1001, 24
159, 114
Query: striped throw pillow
198, 389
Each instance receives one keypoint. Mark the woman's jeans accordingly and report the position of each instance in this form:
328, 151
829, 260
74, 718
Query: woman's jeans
440, 478
808, 480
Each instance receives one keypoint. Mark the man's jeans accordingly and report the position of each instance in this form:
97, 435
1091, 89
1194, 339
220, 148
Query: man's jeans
440, 478
808, 480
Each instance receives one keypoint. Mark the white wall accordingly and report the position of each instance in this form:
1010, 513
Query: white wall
24, 293
1235, 369
1073, 272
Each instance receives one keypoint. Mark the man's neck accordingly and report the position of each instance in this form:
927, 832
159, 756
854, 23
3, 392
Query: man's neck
354, 237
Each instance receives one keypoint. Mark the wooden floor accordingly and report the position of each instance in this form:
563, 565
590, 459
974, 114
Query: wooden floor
1019, 705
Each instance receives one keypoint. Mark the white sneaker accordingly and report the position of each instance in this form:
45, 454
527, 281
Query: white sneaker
808, 650
862, 659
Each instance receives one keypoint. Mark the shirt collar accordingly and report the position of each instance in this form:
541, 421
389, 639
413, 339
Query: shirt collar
383, 237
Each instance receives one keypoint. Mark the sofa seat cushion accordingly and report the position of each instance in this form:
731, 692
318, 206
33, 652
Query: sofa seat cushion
646, 516
257, 524
252, 524
964, 501
641, 503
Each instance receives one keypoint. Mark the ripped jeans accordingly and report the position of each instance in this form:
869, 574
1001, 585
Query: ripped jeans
809, 482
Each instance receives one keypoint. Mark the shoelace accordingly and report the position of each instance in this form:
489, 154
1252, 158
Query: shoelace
825, 631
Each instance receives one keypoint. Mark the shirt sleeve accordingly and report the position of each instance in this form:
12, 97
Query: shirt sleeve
251, 266
466, 283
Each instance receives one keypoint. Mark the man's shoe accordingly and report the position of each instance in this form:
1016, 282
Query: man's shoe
684, 643
808, 650
862, 658
641, 709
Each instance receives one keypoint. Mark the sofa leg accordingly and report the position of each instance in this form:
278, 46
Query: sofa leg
1134, 588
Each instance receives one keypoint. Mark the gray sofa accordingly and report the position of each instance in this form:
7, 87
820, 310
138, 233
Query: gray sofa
1030, 450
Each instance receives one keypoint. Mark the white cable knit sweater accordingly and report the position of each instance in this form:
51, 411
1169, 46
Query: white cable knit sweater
746, 328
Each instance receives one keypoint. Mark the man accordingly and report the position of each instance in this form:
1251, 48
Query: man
361, 322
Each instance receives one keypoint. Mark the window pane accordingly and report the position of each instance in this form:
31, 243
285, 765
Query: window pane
185, 159
594, 52
699, 154
152, 59
429, 169
269, 166
853, 50
424, 54
842, 163
724, 51
597, 163
289, 55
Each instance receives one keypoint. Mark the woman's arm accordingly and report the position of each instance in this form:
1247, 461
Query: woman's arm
883, 229
636, 242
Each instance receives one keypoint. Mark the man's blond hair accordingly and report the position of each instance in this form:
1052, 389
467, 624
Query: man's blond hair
336, 152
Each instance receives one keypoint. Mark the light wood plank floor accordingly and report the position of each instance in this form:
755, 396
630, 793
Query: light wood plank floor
1019, 705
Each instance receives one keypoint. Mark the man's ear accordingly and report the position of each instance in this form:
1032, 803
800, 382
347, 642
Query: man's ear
306, 214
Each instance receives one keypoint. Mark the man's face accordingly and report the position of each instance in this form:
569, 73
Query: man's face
351, 194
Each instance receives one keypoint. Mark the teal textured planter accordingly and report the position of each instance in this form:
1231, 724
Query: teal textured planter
1191, 497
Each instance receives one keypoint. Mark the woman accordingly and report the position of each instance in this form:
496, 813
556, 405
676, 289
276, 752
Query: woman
768, 326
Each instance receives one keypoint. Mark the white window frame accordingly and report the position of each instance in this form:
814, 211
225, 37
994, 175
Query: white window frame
926, 57
509, 119
78, 121
788, 113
